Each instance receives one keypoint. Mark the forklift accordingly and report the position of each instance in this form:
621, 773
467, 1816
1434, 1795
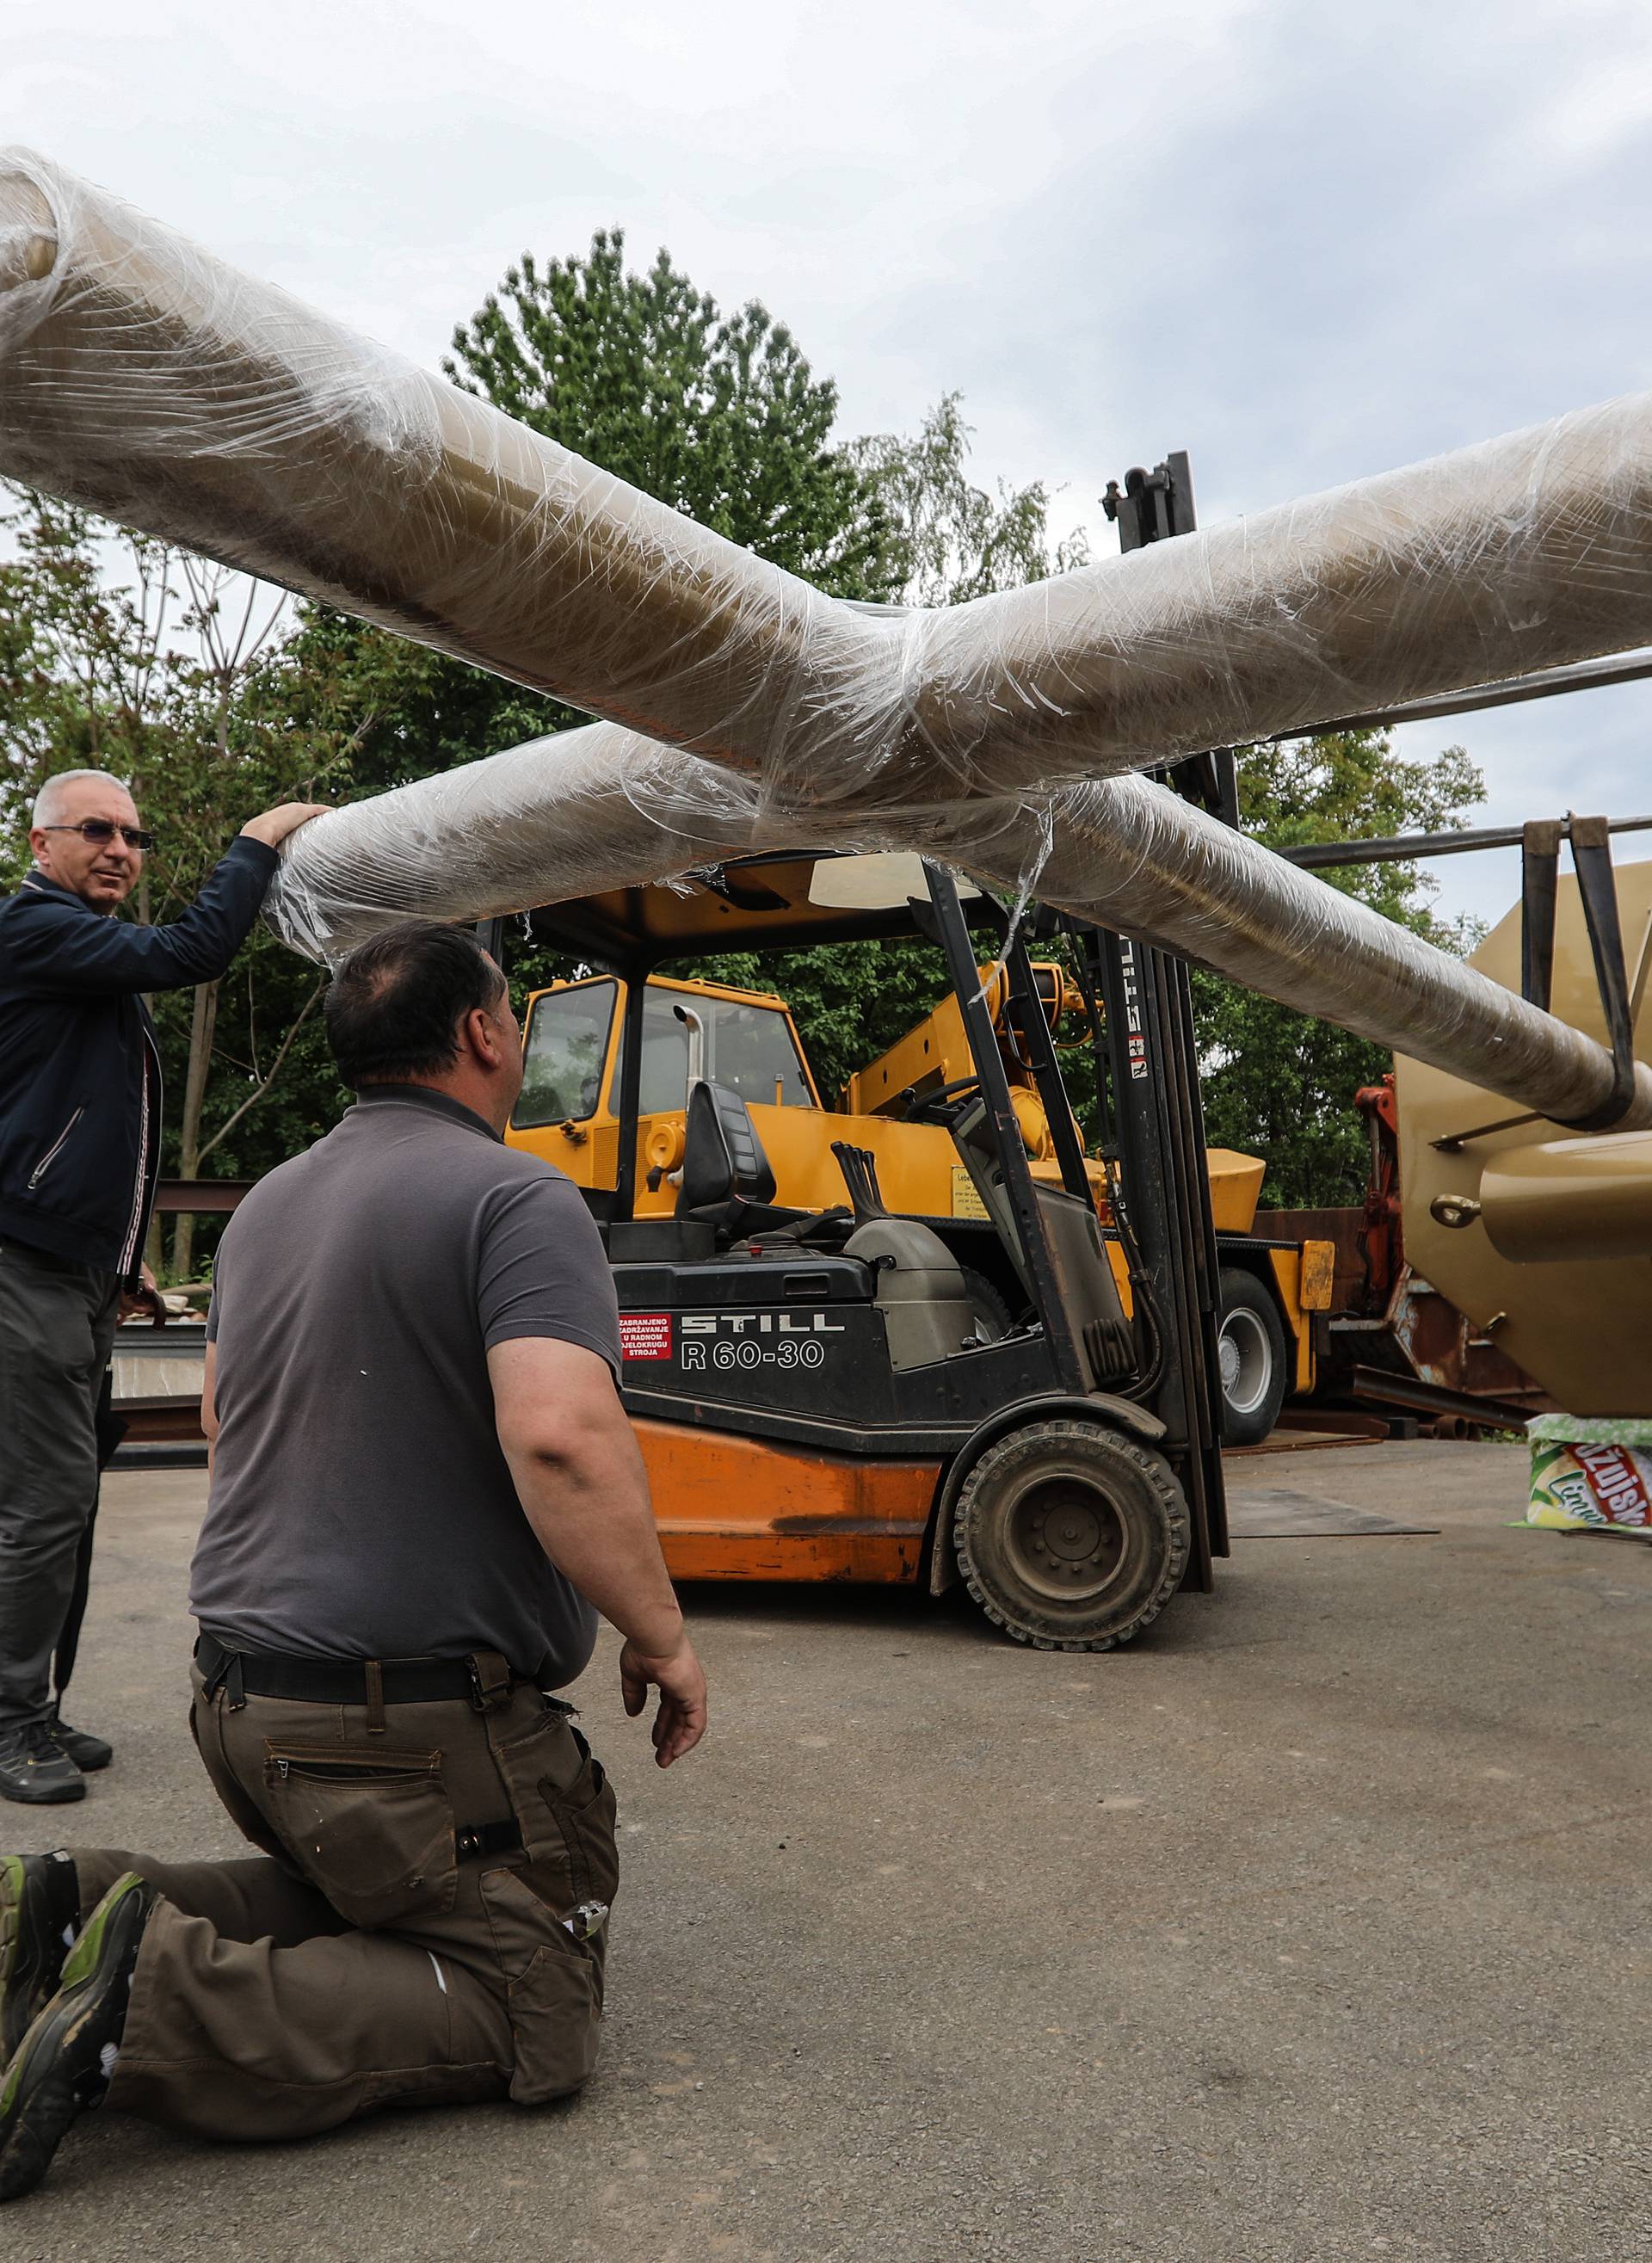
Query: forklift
820, 1394
854, 1393
1272, 1290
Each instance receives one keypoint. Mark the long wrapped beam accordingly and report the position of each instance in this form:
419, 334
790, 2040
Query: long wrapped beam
143, 377
151, 381
601, 808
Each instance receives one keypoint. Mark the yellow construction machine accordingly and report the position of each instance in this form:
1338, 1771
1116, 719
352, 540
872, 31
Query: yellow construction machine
894, 1110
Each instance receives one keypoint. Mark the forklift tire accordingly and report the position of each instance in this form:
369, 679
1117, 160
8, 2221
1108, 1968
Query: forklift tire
1252, 1359
991, 1320
1071, 1537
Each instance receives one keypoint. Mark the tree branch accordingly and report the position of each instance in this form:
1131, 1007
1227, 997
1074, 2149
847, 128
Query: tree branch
253, 1098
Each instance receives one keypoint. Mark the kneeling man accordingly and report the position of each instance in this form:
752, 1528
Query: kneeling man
424, 1489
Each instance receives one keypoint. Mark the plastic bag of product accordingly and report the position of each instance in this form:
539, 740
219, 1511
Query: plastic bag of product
1591, 1471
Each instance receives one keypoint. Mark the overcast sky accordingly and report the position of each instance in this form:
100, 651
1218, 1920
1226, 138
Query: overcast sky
1305, 242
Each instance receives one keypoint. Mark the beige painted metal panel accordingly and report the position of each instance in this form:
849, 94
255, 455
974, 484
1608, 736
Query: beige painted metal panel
1580, 1323
1566, 1199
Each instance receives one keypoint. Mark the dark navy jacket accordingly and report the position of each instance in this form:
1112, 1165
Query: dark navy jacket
80, 1073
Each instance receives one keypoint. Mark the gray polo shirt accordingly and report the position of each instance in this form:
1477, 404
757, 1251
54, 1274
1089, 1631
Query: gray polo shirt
360, 1506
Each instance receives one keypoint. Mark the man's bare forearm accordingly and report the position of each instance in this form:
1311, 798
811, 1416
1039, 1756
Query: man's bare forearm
580, 1478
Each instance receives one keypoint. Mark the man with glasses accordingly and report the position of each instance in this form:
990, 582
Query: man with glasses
80, 1151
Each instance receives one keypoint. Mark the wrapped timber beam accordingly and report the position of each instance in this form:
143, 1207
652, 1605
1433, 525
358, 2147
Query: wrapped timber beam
147, 380
602, 808
143, 377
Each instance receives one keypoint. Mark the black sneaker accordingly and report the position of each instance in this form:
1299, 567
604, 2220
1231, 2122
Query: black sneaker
64, 2063
39, 1916
35, 1768
86, 1751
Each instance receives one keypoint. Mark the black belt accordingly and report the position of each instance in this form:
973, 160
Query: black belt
483, 1680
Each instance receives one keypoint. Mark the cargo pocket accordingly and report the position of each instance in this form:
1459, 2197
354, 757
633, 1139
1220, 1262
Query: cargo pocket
565, 1805
372, 1828
584, 1812
553, 1991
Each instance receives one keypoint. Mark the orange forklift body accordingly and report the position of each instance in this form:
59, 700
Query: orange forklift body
730, 1507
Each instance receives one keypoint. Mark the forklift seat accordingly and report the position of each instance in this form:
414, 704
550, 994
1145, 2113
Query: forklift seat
723, 1157
727, 1180
727, 1188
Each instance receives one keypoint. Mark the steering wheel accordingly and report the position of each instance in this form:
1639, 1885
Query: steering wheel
936, 1107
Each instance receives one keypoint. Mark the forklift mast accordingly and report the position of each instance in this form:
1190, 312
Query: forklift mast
1146, 1053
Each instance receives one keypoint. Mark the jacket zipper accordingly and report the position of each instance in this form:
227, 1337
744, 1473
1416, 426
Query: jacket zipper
55, 1149
129, 1253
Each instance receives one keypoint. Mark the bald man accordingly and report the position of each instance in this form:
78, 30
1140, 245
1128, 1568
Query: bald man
80, 1152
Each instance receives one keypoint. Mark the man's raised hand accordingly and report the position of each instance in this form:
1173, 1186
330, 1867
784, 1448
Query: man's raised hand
274, 825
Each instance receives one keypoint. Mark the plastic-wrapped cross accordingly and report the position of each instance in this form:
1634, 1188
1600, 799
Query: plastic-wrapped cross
745, 711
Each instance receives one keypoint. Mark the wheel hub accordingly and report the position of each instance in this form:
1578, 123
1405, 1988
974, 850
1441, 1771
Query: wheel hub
1246, 1360
1066, 1537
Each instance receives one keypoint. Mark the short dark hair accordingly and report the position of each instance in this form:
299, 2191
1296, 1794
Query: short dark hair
393, 1007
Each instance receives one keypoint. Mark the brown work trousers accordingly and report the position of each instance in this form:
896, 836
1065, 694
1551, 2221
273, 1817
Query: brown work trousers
358, 1963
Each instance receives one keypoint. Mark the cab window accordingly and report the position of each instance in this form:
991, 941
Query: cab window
750, 1049
563, 1054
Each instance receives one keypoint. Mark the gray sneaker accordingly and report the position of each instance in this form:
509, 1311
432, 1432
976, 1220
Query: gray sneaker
35, 1768
86, 1751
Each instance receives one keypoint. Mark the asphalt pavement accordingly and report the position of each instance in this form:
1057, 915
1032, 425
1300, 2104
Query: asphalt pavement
1312, 1927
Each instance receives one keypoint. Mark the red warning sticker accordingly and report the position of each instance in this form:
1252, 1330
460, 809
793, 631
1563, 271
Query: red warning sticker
644, 1335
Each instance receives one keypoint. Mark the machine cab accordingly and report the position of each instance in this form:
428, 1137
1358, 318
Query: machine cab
744, 1041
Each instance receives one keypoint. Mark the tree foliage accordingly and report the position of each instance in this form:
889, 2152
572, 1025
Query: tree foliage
84, 680
950, 541
721, 417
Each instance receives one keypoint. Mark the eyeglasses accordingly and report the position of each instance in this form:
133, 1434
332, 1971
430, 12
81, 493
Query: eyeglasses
100, 833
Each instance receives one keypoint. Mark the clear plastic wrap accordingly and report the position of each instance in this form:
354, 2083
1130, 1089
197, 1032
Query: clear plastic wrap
601, 808
145, 378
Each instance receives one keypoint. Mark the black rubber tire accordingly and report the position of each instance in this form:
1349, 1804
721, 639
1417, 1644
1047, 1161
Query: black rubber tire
1112, 1492
991, 1314
1255, 1359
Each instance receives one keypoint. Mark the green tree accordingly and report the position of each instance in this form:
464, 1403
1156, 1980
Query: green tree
721, 417
1277, 1084
949, 539
84, 675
